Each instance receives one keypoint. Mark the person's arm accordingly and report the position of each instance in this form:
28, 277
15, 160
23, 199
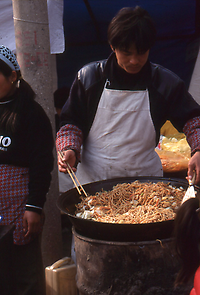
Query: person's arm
168, 92
39, 150
40, 144
74, 112
192, 132
184, 114
73, 121
68, 142
78, 113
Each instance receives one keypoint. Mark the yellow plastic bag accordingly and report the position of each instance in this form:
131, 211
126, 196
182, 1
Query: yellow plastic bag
173, 161
174, 149
173, 144
168, 129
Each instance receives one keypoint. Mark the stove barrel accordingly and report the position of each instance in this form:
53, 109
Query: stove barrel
126, 268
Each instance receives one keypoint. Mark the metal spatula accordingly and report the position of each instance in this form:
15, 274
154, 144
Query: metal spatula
190, 193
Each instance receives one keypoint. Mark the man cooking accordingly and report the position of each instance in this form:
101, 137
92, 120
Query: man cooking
116, 107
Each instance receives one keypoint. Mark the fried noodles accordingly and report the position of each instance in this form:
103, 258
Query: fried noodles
133, 203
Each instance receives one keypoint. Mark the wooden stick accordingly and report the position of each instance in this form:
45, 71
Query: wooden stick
73, 175
76, 179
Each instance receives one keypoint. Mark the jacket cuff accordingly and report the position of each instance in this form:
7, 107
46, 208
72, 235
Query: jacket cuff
69, 137
33, 208
192, 132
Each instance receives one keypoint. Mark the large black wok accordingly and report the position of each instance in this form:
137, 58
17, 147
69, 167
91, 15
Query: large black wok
112, 231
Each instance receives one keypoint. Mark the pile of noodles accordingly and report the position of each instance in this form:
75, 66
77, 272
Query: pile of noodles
136, 202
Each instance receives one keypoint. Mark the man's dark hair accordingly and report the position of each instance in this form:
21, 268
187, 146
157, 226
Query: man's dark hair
132, 26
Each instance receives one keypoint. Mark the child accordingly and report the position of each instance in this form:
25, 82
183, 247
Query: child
187, 242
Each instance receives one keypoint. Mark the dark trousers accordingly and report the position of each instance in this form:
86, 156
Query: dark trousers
28, 271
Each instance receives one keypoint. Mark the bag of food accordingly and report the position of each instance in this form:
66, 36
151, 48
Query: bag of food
174, 150
173, 161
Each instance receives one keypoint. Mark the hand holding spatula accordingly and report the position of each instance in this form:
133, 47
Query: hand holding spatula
190, 193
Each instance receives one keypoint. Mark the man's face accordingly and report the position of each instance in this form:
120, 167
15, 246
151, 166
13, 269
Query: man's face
130, 60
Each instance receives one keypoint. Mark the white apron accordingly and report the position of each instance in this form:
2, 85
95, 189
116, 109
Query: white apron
121, 141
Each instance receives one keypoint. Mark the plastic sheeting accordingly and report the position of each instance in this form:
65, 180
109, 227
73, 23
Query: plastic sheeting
173, 19
85, 27
86, 34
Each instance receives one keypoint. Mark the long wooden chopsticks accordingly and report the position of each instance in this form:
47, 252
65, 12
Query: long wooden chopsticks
73, 177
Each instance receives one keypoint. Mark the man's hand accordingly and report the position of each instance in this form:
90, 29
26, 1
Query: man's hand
194, 165
69, 157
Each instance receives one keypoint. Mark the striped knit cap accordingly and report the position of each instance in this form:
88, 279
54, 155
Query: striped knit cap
9, 58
